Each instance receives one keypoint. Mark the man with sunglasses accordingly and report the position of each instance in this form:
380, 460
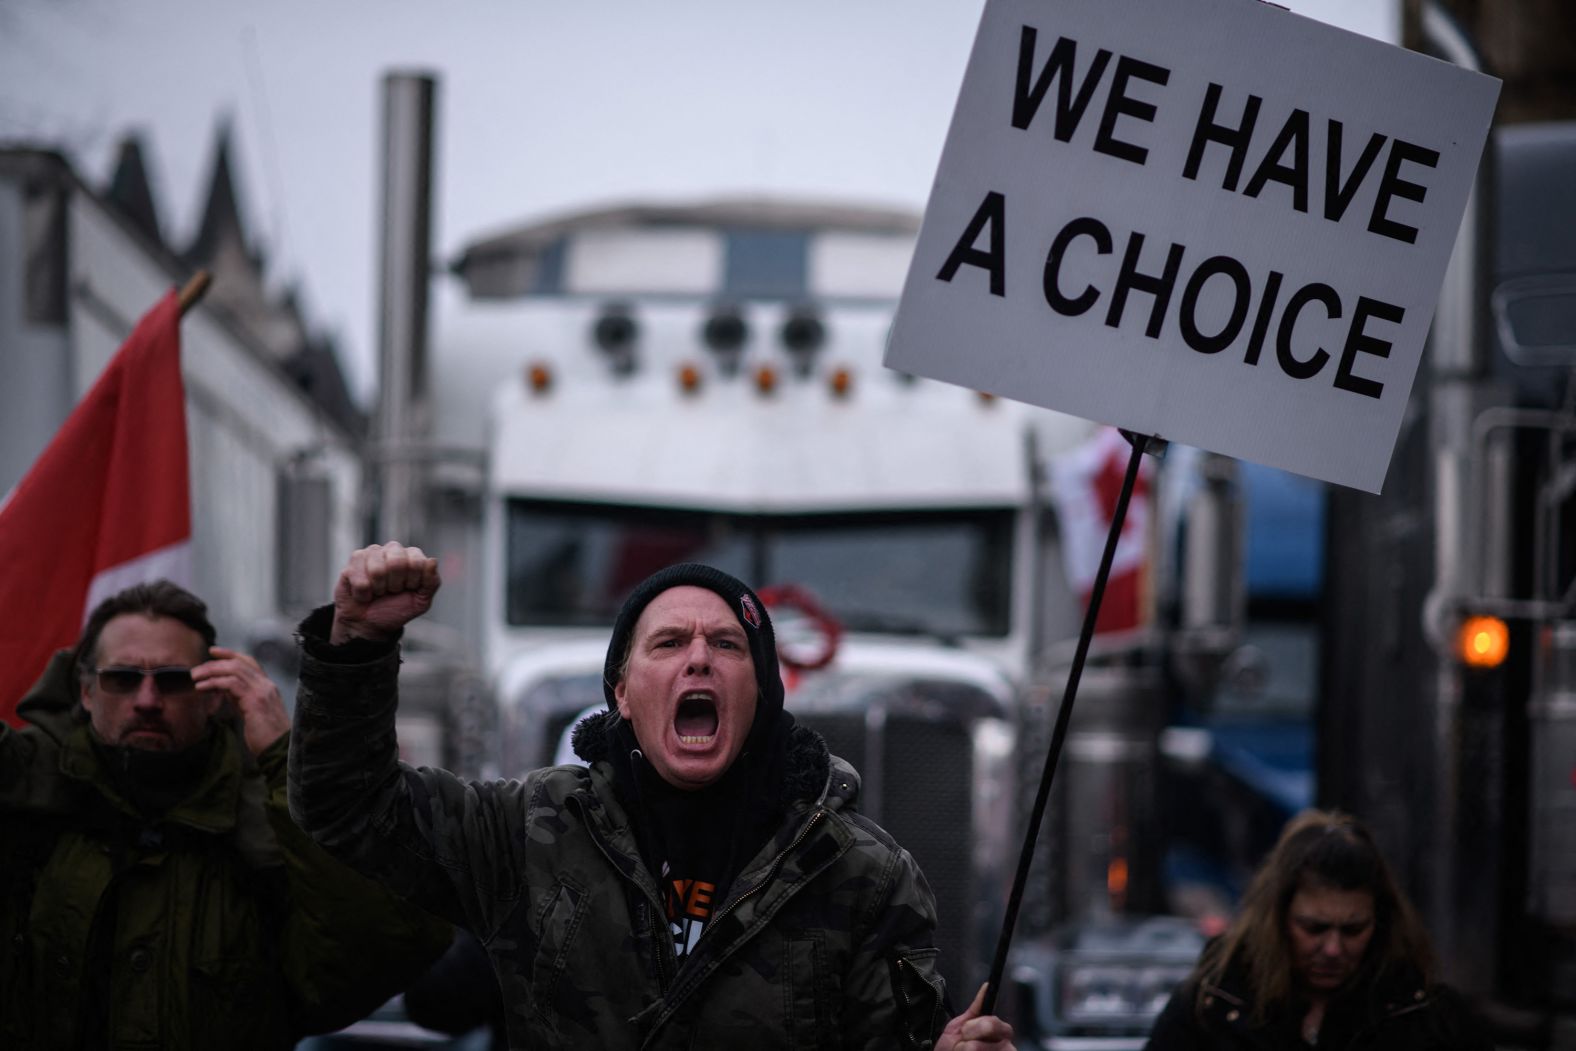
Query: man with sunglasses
153, 890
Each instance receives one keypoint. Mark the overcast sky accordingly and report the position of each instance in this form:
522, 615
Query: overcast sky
542, 106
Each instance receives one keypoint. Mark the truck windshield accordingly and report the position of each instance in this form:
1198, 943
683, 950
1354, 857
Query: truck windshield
944, 573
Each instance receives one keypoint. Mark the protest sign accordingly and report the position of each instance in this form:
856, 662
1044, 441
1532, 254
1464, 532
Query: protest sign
1212, 221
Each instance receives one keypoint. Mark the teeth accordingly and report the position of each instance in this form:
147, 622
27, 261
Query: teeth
697, 719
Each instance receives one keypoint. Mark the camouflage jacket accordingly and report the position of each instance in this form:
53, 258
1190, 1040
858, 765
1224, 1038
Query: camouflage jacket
824, 941
216, 925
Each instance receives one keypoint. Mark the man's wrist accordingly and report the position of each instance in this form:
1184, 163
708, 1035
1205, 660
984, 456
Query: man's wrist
316, 634
265, 746
271, 760
343, 631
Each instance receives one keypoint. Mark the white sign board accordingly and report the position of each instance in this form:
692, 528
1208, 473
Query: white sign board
1212, 221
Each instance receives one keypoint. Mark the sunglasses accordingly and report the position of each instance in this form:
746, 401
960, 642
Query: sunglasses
124, 679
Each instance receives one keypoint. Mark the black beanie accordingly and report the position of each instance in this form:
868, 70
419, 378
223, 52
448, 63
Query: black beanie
746, 606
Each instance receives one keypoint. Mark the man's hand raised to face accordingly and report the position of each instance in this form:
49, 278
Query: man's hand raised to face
237, 675
381, 589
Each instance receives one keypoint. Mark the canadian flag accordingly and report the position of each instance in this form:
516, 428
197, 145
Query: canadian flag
106, 505
1086, 483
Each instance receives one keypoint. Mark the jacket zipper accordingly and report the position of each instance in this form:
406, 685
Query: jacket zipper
903, 964
908, 1005
770, 872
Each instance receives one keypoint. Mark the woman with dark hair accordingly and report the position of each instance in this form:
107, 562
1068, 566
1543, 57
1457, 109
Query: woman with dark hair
1326, 952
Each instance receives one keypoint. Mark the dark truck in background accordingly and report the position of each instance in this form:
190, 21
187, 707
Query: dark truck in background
1466, 764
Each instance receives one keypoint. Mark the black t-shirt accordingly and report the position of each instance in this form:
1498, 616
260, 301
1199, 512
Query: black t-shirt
697, 841
690, 840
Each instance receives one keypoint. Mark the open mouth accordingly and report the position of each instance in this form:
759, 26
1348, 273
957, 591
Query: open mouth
696, 719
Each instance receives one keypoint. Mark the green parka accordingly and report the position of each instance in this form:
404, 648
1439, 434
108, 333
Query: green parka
825, 939
220, 925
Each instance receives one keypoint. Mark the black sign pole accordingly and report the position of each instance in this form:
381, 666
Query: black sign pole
1063, 716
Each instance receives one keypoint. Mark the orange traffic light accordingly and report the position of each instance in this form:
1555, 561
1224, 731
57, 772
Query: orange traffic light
1483, 642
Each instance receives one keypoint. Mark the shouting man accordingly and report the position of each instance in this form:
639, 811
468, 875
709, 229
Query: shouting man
707, 882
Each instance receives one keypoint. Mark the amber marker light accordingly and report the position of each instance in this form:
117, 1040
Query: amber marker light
539, 377
841, 382
689, 378
766, 379
986, 397
1116, 882
1483, 642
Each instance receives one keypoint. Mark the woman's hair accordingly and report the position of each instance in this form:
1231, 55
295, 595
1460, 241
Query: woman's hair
1317, 849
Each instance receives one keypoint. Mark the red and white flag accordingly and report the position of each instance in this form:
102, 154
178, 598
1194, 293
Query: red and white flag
1086, 483
106, 505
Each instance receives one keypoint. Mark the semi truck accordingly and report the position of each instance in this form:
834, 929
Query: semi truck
621, 388
702, 382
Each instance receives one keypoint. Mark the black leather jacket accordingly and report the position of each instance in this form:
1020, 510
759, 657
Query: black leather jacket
1403, 1015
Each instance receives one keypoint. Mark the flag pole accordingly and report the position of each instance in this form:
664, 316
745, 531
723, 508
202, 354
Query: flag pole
192, 292
1063, 716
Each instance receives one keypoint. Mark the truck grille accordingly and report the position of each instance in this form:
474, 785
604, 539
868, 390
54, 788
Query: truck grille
917, 783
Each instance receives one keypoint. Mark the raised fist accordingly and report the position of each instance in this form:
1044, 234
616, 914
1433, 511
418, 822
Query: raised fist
381, 589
